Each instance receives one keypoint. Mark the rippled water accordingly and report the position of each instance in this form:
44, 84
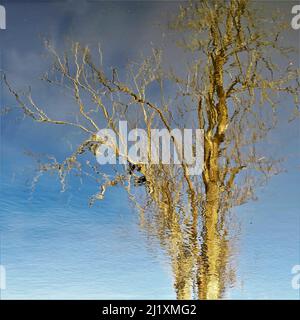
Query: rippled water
53, 246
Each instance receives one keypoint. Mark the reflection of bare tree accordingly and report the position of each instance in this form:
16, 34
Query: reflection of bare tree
229, 86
